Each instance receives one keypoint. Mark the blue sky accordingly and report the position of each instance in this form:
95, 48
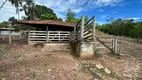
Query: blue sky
102, 9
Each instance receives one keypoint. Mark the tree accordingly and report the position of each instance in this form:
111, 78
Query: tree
17, 4
12, 21
126, 27
29, 9
70, 17
38, 11
48, 17
44, 13
60, 19
4, 24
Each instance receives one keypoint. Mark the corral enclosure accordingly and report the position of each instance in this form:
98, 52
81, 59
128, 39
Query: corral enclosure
55, 60
81, 36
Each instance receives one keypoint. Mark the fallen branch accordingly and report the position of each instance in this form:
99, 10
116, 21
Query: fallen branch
3, 4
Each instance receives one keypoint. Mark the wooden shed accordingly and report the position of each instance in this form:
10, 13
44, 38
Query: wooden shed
48, 31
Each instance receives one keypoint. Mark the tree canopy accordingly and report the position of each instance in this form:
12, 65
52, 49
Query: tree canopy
70, 16
120, 27
40, 12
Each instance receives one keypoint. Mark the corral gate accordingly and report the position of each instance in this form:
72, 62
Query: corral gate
50, 36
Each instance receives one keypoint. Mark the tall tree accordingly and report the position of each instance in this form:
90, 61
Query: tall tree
29, 9
12, 21
17, 4
45, 13
70, 17
40, 12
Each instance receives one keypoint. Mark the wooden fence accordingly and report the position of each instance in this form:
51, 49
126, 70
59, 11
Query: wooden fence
106, 42
85, 32
50, 36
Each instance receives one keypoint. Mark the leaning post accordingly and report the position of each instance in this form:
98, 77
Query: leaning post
94, 32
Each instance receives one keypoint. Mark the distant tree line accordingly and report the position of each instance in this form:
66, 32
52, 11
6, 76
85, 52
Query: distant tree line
120, 27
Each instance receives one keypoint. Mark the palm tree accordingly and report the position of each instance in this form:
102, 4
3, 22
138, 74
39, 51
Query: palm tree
17, 4
29, 8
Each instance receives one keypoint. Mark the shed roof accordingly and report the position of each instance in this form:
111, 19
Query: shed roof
7, 28
47, 22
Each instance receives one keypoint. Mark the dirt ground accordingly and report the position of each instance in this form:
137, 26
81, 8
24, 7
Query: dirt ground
20, 61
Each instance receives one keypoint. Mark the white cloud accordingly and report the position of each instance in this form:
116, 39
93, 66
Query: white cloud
135, 18
60, 6
107, 2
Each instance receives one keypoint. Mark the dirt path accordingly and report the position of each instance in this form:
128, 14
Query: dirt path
24, 62
134, 49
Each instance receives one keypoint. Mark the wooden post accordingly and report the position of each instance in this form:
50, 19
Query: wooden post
82, 27
28, 34
9, 36
115, 45
59, 36
94, 29
13, 35
94, 34
20, 34
74, 34
47, 36
3, 36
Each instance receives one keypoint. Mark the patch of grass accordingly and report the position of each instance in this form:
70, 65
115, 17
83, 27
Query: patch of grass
91, 68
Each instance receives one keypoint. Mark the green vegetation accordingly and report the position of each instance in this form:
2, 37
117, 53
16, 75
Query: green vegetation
70, 17
120, 27
38, 11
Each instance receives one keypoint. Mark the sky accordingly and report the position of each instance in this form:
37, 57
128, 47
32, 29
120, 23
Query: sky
102, 9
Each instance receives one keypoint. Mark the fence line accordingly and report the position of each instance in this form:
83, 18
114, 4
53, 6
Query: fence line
51, 36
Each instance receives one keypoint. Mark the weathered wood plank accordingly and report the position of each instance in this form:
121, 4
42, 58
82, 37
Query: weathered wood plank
37, 36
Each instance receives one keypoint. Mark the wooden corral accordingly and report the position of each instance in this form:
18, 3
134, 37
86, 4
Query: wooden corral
82, 36
86, 42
